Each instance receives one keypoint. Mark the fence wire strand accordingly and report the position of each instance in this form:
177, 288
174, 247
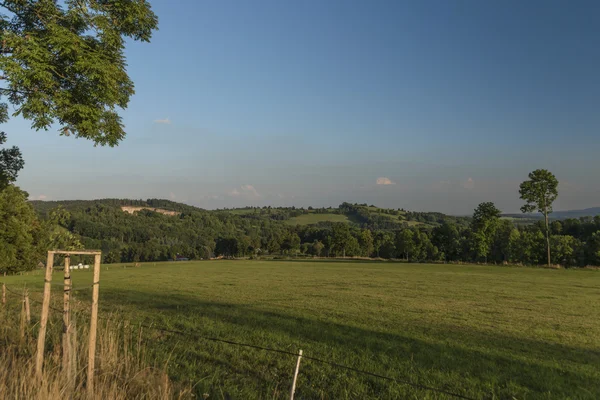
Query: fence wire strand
269, 349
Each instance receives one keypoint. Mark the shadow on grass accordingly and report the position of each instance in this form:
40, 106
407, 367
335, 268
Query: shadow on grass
335, 260
493, 362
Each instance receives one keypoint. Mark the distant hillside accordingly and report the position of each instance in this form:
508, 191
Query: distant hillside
587, 212
166, 207
158, 230
360, 215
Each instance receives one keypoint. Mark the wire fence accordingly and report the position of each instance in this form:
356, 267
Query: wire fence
196, 336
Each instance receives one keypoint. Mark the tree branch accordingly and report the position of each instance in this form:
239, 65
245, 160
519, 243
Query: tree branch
13, 90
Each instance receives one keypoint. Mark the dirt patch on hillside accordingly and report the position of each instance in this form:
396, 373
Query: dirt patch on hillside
133, 209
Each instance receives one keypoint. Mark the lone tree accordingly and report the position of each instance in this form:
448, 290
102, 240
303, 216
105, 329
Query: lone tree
63, 63
539, 192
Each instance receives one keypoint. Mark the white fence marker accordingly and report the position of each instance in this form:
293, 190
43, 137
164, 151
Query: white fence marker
296, 376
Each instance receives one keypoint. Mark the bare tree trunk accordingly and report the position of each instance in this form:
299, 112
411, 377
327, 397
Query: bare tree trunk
547, 235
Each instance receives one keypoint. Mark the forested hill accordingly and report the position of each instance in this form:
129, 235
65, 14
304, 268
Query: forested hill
163, 230
43, 207
148, 235
360, 215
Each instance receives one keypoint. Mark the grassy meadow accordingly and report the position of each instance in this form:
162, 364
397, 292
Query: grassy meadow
480, 331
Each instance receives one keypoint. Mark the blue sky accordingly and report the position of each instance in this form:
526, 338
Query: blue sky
311, 102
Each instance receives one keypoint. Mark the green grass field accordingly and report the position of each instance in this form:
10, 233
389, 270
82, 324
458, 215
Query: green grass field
483, 332
313, 218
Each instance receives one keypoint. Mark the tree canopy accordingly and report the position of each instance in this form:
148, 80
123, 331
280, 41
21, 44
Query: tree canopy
64, 63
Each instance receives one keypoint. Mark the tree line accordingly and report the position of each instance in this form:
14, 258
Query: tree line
195, 233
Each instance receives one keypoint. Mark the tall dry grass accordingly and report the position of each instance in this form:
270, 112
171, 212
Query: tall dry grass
123, 370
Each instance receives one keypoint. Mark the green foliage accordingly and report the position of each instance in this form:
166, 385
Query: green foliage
365, 242
405, 243
539, 191
593, 249
19, 231
486, 219
24, 239
65, 63
383, 244
566, 249
11, 162
447, 238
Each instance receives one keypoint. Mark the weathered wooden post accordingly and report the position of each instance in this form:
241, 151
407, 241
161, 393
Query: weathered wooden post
27, 310
93, 327
73, 351
66, 314
295, 376
39, 360
3, 294
23, 318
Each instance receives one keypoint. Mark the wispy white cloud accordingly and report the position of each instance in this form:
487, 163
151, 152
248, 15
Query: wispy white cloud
172, 196
469, 184
251, 191
42, 197
385, 181
162, 121
247, 192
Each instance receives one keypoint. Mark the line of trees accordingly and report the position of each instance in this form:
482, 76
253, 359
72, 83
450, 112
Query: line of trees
197, 233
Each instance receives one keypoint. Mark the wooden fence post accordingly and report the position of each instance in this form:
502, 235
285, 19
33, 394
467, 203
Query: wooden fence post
23, 317
66, 315
73, 352
27, 310
39, 360
295, 375
3, 294
93, 327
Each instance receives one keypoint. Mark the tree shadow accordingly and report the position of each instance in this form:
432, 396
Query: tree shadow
496, 361
336, 260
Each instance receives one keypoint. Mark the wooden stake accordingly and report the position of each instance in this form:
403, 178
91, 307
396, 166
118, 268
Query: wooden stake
3, 294
295, 375
22, 326
27, 310
66, 314
93, 327
73, 352
39, 360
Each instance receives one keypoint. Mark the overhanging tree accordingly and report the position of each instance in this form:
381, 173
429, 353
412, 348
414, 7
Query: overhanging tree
539, 192
64, 63
61, 64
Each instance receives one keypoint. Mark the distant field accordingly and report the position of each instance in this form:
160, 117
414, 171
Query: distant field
312, 218
484, 332
240, 211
